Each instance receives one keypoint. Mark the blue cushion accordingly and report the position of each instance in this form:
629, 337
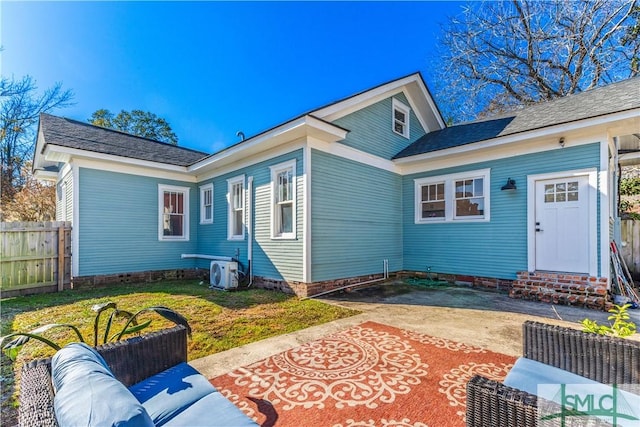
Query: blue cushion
74, 359
170, 392
87, 394
212, 410
527, 375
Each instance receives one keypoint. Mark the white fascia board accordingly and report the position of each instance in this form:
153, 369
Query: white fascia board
346, 152
422, 88
530, 146
38, 157
64, 154
288, 132
520, 137
412, 86
42, 175
131, 170
244, 162
354, 103
324, 130
629, 159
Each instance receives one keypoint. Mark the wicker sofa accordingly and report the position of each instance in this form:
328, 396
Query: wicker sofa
605, 360
152, 365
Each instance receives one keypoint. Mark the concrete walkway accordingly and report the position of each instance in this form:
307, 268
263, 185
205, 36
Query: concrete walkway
487, 319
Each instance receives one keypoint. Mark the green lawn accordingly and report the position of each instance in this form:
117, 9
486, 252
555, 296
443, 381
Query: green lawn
219, 320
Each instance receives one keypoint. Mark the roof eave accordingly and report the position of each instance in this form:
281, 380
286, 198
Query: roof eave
300, 127
525, 135
417, 91
45, 175
58, 153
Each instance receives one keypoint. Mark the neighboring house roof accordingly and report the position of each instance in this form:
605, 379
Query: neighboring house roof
70, 133
613, 98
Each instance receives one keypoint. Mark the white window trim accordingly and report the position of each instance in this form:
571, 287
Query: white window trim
450, 196
230, 183
185, 191
398, 105
204, 189
275, 169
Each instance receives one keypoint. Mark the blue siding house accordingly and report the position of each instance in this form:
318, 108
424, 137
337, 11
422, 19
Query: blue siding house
371, 185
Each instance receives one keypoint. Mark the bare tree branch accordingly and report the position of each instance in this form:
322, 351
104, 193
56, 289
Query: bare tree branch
504, 54
20, 108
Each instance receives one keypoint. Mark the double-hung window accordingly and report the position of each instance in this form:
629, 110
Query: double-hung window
432, 200
206, 204
236, 198
469, 198
283, 196
455, 197
173, 213
400, 118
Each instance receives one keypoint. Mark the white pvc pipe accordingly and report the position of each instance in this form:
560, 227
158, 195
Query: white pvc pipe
213, 257
385, 276
343, 287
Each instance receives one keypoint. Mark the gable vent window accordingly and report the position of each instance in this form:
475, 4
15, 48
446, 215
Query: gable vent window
400, 123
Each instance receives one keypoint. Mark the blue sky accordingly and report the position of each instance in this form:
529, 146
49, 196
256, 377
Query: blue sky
214, 68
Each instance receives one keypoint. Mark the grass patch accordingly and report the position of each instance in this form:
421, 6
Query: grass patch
219, 320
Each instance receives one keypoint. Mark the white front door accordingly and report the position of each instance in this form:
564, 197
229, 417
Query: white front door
562, 224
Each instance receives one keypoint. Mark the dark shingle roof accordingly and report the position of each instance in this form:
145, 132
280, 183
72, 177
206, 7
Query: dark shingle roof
83, 136
613, 98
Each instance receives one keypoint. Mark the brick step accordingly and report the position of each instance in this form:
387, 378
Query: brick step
561, 288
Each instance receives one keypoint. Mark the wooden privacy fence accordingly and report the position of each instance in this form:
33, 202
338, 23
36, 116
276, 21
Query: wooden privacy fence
630, 248
34, 257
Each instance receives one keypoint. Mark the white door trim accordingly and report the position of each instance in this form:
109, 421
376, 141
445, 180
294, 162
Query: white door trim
592, 175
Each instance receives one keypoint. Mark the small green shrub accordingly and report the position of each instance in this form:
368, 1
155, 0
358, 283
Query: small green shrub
630, 186
621, 326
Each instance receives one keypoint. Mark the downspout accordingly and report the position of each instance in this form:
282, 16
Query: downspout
250, 230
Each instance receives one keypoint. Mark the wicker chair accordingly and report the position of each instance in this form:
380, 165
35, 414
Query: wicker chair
603, 359
131, 361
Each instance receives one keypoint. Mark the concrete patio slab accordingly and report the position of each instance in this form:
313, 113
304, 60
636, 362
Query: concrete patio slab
487, 319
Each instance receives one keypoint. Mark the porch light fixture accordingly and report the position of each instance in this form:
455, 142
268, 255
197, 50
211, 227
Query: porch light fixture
510, 185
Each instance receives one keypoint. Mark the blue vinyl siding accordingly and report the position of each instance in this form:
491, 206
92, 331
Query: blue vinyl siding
64, 198
273, 259
489, 249
356, 218
119, 224
370, 129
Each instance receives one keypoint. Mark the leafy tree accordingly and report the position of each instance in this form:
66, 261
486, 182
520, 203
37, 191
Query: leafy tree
20, 107
34, 201
136, 122
630, 186
498, 55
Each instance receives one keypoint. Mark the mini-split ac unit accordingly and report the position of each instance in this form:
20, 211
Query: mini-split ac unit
223, 274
